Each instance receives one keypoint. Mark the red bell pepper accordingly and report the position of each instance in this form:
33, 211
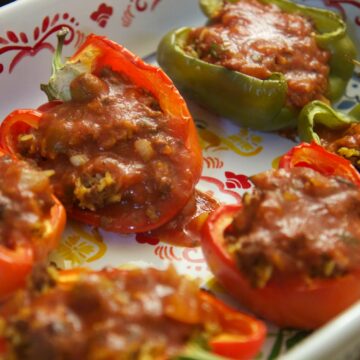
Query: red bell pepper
316, 157
16, 263
242, 335
289, 301
239, 336
94, 55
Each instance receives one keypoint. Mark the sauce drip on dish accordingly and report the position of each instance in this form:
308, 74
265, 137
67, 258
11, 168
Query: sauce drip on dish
185, 228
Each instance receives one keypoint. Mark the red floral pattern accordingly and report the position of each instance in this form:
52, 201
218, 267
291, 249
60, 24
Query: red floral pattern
102, 15
339, 5
239, 181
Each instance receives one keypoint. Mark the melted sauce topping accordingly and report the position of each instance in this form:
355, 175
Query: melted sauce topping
344, 142
297, 222
259, 39
112, 147
25, 202
111, 314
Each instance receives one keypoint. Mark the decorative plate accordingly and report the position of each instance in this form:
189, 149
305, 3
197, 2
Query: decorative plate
27, 41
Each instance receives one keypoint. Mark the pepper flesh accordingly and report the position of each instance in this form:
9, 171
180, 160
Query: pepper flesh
316, 157
255, 103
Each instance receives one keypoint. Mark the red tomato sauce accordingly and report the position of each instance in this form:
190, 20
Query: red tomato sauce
25, 202
111, 147
297, 221
344, 142
259, 39
111, 314
185, 228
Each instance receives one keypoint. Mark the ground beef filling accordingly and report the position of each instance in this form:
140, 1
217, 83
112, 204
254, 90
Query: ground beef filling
25, 202
111, 144
297, 221
259, 39
137, 314
344, 142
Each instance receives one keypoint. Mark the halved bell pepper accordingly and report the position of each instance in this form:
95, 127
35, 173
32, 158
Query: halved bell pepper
254, 103
235, 335
295, 302
343, 129
95, 54
17, 261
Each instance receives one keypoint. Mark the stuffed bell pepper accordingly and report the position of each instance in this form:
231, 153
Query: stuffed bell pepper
259, 62
118, 136
336, 131
31, 221
290, 251
124, 314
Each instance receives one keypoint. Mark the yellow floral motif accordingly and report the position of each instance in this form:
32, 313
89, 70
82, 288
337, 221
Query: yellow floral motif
243, 143
80, 247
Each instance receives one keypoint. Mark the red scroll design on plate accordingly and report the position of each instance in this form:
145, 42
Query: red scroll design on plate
213, 162
338, 4
193, 257
23, 44
137, 6
221, 187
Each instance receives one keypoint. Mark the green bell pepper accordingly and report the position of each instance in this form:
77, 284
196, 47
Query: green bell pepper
254, 103
319, 113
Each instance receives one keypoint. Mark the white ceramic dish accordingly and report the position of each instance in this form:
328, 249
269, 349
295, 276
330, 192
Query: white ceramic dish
27, 39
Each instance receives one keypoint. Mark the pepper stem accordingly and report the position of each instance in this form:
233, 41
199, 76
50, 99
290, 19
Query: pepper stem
57, 63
